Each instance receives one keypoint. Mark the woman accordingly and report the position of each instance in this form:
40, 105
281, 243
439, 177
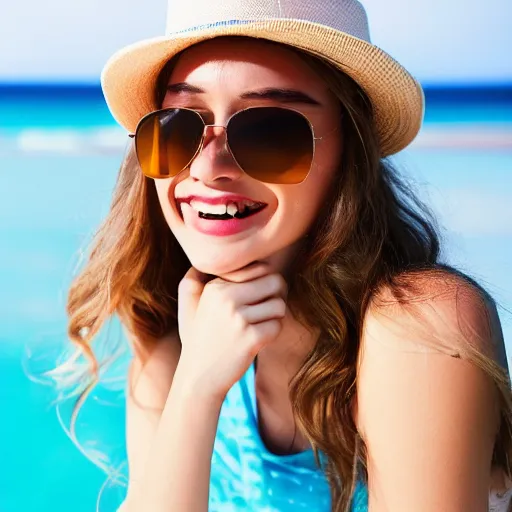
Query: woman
297, 341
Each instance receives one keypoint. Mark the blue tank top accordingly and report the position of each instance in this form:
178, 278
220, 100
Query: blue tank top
245, 475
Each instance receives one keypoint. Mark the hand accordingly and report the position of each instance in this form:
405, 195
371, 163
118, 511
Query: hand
225, 322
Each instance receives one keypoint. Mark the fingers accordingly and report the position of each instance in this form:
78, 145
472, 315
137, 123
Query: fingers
190, 290
252, 292
273, 309
248, 273
259, 288
262, 334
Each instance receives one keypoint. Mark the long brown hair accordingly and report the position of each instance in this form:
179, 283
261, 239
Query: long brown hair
373, 231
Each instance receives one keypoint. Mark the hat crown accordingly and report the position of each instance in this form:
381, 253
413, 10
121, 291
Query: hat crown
347, 16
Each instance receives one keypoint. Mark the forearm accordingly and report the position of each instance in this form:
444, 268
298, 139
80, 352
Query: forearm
177, 475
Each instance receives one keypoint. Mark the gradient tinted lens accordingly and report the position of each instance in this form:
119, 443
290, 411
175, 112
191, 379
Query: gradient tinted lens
272, 144
166, 141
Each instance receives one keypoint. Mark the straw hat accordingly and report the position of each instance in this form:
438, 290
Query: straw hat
336, 30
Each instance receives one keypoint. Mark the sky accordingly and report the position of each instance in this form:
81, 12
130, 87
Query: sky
439, 41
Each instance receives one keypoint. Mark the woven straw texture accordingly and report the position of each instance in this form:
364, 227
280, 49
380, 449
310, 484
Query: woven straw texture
336, 30
344, 15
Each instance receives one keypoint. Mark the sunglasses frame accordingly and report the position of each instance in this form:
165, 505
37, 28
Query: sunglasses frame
205, 126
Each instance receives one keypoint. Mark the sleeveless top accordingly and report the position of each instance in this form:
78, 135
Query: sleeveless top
246, 476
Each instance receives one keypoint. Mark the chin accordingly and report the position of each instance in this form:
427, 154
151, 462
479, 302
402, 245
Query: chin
219, 264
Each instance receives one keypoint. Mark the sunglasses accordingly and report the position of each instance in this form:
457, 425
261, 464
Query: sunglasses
270, 144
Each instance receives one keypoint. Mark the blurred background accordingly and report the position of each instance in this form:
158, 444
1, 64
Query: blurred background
59, 154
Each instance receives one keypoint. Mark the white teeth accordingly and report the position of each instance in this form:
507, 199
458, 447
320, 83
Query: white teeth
215, 209
231, 209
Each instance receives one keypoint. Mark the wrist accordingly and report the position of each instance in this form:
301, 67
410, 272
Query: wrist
199, 391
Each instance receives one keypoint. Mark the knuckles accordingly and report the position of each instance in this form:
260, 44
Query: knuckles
277, 282
219, 294
259, 335
185, 286
280, 307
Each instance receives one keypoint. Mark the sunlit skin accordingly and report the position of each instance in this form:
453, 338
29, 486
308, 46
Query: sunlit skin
428, 419
225, 72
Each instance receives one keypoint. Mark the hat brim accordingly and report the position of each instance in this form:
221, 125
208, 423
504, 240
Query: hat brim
129, 77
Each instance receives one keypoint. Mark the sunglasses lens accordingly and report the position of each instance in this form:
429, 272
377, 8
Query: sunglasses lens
166, 141
272, 144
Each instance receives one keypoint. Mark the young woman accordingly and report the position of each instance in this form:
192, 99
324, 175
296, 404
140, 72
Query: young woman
298, 344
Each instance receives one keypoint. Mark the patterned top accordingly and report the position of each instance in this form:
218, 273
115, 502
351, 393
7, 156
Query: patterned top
247, 476
501, 501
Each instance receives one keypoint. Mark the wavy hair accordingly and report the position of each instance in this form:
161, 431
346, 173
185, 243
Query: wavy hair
372, 232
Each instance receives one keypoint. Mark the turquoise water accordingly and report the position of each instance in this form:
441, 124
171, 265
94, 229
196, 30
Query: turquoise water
57, 106
50, 202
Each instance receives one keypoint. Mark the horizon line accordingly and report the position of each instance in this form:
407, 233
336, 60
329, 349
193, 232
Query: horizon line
455, 92
431, 84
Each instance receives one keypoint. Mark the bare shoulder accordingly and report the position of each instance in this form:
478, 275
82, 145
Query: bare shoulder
427, 406
435, 311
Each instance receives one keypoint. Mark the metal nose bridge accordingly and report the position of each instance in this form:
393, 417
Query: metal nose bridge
205, 131
214, 126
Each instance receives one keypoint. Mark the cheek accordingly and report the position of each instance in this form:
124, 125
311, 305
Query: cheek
164, 188
299, 212
308, 198
299, 208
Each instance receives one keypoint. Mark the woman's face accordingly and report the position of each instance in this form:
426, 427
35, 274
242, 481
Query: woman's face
219, 75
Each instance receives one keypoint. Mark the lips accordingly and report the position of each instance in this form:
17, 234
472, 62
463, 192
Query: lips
224, 199
224, 221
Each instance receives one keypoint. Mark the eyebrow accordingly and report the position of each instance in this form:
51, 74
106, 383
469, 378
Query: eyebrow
270, 93
184, 87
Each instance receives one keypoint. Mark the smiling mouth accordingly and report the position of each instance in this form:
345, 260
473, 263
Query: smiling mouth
248, 212
230, 210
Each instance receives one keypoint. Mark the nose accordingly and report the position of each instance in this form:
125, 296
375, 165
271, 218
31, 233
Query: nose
214, 161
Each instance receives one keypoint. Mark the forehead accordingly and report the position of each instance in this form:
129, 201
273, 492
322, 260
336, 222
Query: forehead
231, 63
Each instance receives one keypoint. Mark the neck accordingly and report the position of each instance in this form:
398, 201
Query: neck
282, 261
286, 354
277, 364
